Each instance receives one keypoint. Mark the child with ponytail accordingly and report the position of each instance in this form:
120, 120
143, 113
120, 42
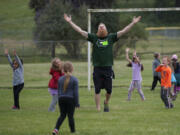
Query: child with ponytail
68, 97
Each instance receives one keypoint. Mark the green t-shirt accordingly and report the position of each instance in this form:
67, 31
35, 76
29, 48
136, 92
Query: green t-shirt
102, 52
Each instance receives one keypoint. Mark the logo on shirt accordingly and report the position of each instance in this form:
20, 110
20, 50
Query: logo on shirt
102, 43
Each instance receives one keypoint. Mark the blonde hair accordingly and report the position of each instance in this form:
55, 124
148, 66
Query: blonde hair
68, 68
55, 65
168, 60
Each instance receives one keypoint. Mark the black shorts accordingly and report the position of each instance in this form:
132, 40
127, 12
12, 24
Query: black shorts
102, 77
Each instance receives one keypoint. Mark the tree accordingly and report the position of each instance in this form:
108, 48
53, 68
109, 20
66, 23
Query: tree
177, 4
91, 3
52, 27
98, 3
129, 39
167, 18
38, 6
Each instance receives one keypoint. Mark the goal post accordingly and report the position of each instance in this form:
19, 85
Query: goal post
119, 11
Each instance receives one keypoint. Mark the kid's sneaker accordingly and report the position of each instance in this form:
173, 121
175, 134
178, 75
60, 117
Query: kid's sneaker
106, 107
174, 97
55, 132
171, 105
15, 108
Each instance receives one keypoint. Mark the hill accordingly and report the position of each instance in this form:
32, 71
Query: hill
16, 19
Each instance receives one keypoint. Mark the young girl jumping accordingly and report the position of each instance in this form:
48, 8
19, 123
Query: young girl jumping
68, 97
56, 72
18, 77
137, 67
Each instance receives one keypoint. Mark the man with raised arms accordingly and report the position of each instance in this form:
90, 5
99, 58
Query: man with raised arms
102, 56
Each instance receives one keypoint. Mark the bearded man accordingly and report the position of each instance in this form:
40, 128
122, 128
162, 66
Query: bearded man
102, 56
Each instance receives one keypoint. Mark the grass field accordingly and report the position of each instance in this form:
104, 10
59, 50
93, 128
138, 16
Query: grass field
36, 75
125, 118
16, 20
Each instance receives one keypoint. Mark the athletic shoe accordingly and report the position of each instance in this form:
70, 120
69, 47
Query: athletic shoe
174, 97
171, 105
128, 99
55, 132
106, 107
15, 108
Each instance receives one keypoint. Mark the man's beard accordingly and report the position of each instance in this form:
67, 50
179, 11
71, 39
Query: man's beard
102, 33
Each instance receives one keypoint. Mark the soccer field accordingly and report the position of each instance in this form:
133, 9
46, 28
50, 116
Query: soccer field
36, 75
135, 117
125, 118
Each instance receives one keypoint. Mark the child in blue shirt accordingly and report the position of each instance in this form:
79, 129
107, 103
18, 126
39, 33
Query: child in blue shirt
18, 77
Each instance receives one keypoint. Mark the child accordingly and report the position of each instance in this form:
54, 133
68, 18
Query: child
173, 82
176, 68
165, 81
18, 77
137, 67
156, 75
68, 97
56, 72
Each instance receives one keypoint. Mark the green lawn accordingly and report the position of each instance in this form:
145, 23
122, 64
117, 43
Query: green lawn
16, 20
125, 118
36, 75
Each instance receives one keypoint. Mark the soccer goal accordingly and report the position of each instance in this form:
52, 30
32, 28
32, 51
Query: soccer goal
90, 11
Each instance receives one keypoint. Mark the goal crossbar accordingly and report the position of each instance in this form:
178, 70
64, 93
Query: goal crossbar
133, 10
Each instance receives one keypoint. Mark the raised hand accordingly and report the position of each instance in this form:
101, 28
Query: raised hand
136, 19
67, 18
6, 51
14, 52
134, 53
127, 49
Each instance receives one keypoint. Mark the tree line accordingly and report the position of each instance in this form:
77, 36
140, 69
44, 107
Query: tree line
50, 24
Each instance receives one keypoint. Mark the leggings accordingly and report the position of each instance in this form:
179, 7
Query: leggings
155, 80
135, 84
67, 107
16, 91
52, 106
